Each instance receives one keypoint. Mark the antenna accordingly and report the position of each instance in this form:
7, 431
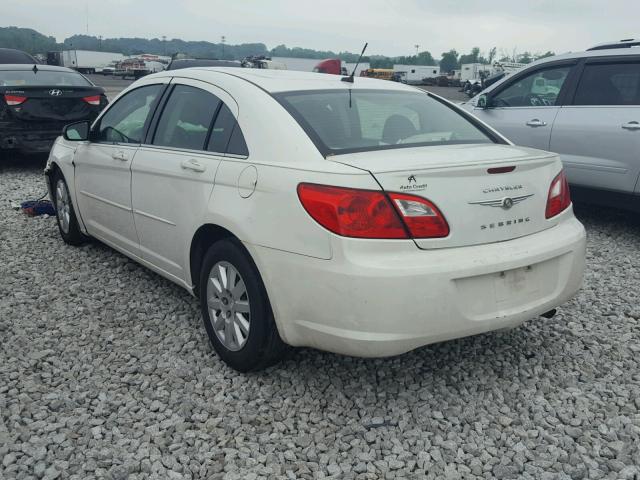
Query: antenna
350, 77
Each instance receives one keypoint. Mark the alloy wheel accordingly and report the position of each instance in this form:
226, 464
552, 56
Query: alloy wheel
228, 304
63, 206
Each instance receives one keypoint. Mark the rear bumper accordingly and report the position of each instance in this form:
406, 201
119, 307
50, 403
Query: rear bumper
28, 140
380, 303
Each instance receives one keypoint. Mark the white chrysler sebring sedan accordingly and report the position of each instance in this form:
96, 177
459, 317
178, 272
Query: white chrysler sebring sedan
362, 217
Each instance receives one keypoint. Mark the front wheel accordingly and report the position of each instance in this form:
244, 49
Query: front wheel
236, 310
65, 213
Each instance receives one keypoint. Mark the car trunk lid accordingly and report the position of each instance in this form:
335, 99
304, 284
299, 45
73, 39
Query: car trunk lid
47, 104
479, 206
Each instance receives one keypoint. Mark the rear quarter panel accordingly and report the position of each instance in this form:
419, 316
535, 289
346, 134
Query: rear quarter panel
283, 156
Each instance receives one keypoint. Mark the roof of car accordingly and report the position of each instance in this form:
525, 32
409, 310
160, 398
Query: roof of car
11, 55
29, 66
617, 52
180, 63
274, 81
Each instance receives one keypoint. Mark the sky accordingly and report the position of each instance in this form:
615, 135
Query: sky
392, 27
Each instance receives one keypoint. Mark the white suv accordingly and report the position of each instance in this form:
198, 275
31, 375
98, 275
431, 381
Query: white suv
585, 106
363, 217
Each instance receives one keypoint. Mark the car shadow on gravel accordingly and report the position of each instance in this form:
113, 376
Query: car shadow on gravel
13, 161
605, 217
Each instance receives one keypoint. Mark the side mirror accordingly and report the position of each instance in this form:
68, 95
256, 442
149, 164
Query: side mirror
76, 132
484, 101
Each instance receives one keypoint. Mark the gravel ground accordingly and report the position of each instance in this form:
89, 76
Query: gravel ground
106, 372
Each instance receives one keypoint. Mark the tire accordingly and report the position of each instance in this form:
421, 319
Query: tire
239, 321
65, 213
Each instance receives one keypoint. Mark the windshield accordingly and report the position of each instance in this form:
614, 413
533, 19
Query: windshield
41, 78
344, 121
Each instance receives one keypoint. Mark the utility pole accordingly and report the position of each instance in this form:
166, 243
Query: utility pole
33, 43
223, 39
164, 45
100, 42
417, 48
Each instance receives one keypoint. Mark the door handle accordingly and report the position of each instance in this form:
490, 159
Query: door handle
120, 155
536, 123
631, 126
193, 164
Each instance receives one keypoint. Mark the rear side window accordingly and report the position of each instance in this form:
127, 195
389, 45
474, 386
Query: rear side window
226, 136
340, 121
237, 145
609, 84
41, 78
186, 118
125, 120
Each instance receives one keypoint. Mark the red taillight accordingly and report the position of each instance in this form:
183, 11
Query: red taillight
14, 100
371, 214
92, 100
351, 212
422, 217
559, 197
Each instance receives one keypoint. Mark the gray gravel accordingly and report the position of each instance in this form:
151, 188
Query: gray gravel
105, 372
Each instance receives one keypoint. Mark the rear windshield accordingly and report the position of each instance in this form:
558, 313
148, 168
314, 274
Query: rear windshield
347, 121
41, 78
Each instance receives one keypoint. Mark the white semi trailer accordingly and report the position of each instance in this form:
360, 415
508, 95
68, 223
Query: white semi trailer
87, 61
415, 74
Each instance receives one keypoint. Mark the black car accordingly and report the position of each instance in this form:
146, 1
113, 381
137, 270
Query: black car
10, 55
201, 62
37, 101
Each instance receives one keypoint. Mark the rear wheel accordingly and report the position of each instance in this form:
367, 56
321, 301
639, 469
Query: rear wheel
236, 310
65, 214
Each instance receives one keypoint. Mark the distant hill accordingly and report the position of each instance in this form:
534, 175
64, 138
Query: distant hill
34, 42
136, 46
26, 39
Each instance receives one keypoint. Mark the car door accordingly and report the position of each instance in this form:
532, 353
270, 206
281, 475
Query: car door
598, 134
103, 168
173, 172
524, 108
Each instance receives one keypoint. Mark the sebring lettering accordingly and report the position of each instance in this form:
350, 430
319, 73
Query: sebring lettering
504, 223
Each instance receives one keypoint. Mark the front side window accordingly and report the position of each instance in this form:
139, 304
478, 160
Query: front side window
540, 88
609, 84
186, 118
343, 121
125, 120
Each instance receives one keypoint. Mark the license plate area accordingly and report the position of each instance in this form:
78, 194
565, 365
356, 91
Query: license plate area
515, 284
504, 292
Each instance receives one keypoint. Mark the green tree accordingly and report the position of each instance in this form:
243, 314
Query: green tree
449, 61
471, 57
26, 39
492, 54
544, 55
525, 57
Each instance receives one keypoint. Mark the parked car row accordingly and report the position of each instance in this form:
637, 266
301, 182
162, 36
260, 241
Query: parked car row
584, 106
361, 217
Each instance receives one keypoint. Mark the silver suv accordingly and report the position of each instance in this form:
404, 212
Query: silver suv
585, 106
